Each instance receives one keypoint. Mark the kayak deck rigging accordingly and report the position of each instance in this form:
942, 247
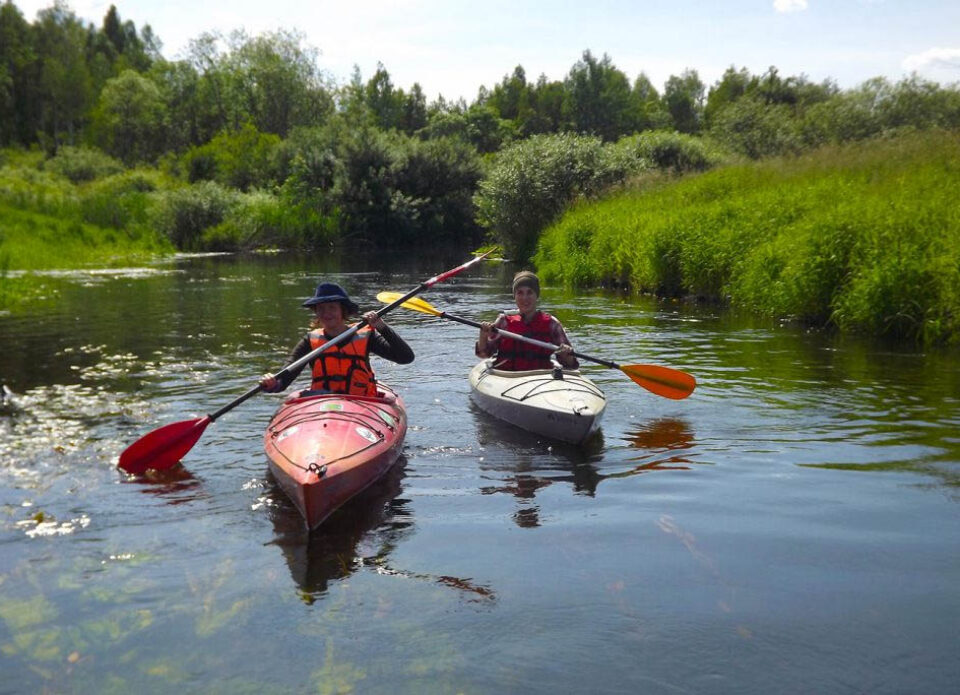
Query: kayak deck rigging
295, 417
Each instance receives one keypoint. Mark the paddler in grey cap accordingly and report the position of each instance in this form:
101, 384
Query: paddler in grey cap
343, 368
513, 355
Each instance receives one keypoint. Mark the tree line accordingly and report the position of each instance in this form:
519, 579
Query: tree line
262, 126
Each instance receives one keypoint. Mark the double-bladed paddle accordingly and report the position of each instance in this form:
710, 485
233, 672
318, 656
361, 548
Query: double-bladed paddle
165, 446
663, 381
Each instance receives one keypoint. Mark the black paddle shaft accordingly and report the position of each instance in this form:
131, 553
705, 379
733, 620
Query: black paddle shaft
347, 334
525, 339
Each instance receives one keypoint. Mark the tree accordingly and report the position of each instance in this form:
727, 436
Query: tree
730, 87
130, 118
206, 58
651, 115
683, 98
382, 100
274, 82
413, 115
179, 85
18, 96
598, 99
511, 98
546, 108
751, 127
64, 83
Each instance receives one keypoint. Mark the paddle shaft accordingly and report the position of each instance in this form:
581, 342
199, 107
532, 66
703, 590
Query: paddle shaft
525, 339
347, 334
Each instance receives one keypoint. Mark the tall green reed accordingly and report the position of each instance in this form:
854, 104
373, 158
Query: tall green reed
864, 237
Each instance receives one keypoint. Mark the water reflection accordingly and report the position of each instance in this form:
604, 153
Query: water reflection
662, 442
526, 464
175, 485
361, 534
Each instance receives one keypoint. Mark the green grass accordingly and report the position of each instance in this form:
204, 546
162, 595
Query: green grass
865, 237
47, 221
34, 241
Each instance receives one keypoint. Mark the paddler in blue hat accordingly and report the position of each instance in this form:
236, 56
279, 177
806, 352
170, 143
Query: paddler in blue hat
344, 368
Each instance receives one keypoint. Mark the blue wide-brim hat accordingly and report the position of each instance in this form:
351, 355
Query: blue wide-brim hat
332, 292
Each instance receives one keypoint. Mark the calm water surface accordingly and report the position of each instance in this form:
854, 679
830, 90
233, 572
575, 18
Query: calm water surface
792, 527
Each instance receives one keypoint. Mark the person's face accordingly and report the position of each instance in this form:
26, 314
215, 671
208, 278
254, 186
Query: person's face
526, 299
330, 314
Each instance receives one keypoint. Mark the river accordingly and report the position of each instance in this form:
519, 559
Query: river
792, 527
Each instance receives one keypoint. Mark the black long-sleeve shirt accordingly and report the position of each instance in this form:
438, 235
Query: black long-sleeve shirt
383, 343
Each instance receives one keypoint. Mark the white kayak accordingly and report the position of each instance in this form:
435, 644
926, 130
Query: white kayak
562, 405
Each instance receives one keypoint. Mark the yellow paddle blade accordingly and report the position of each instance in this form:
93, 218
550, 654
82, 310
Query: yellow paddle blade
414, 303
663, 381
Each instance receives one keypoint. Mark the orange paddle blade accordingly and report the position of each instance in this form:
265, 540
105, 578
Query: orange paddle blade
663, 381
164, 447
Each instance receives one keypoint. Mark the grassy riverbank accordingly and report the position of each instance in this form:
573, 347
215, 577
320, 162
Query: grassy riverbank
865, 237
50, 222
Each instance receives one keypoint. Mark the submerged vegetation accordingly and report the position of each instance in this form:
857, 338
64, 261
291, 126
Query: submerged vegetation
865, 237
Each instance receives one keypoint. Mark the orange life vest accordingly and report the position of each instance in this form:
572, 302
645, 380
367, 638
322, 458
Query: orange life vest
515, 356
344, 368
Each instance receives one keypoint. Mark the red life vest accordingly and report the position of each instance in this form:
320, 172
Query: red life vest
344, 368
515, 356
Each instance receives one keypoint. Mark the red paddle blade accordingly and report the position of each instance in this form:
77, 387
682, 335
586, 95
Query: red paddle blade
164, 447
663, 381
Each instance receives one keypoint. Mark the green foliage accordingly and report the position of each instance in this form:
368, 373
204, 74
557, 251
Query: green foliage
261, 220
391, 108
598, 99
131, 118
33, 241
123, 201
674, 152
383, 187
271, 81
26, 184
683, 98
80, 164
768, 115
530, 183
183, 215
63, 90
441, 176
863, 237
755, 129
479, 125
243, 159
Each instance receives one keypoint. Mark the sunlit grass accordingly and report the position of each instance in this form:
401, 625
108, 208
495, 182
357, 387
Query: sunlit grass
864, 237
35, 241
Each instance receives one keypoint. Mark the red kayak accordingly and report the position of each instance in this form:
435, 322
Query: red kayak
324, 449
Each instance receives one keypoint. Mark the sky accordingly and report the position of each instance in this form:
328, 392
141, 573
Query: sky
453, 48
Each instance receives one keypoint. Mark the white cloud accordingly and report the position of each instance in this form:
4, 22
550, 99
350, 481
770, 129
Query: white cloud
935, 58
789, 5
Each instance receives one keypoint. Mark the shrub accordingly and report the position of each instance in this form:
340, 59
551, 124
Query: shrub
531, 182
183, 214
756, 129
80, 164
244, 159
675, 152
262, 220
122, 201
